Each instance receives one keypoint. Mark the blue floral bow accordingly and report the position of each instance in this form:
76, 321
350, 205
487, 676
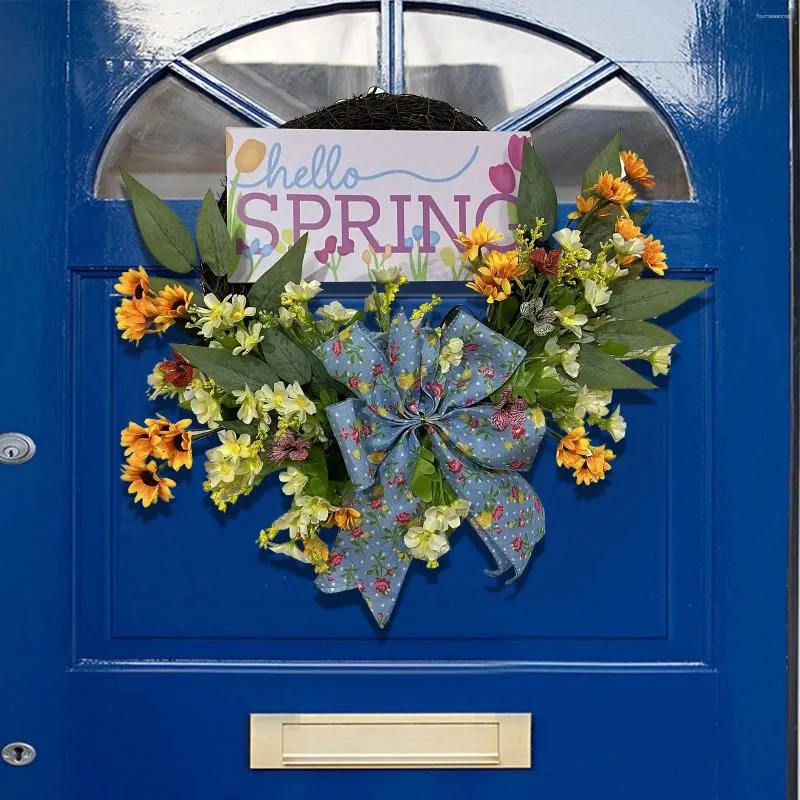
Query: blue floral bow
406, 380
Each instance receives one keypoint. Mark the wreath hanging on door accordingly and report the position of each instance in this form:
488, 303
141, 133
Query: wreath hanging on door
386, 430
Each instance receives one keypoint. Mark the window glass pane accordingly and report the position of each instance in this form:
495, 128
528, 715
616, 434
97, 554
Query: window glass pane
172, 139
482, 68
301, 66
568, 141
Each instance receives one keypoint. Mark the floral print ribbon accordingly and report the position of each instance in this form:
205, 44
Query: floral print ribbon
405, 381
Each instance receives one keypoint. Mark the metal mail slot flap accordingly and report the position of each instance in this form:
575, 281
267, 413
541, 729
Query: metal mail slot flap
397, 741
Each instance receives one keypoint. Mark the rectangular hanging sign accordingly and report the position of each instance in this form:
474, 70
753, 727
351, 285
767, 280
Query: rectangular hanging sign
368, 200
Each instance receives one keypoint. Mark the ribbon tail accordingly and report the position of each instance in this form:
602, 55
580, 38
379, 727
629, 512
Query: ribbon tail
372, 557
505, 511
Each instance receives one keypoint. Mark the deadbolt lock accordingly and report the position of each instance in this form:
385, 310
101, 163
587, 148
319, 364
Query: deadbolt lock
16, 448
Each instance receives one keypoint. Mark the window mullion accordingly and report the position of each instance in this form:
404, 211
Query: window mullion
390, 57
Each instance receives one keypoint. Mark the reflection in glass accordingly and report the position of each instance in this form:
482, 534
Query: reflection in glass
568, 141
172, 139
300, 66
482, 68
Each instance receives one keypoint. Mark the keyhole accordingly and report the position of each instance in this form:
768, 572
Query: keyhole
11, 452
18, 754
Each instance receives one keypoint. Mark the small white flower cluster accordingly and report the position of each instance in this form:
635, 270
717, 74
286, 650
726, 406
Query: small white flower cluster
227, 319
288, 402
429, 540
232, 468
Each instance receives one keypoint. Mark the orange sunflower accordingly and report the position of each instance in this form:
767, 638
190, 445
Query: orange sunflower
175, 444
479, 237
654, 256
626, 227
146, 484
345, 518
170, 303
572, 449
318, 552
595, 466
134, 283
139, 442
615, 190
494, 278
636, 169
134, 318
585, 205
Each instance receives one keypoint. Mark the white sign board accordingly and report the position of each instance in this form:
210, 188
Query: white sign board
367, 199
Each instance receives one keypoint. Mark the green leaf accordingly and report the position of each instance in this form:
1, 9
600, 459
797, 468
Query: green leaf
597, 230
607, 160
167, 238
513, 214
505, 311
321, 380
238, 427
315, 467
157, 284
616, 349
602, 371
421, 485
213, 241
651, 297
635, 335
265, 293
537, 195
640, 215
229, 371
285, 357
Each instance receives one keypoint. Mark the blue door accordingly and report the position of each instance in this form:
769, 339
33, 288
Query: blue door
648, 641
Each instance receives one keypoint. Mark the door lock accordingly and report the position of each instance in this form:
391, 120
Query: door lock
19, 754
16, 448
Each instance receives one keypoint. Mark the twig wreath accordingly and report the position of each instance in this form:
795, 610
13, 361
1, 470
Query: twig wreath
385, 431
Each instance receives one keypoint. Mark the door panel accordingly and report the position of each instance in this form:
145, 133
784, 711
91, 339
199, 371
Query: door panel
648, 639
627, 582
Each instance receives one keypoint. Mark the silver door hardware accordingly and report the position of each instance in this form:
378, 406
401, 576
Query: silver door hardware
16, 448
19, 754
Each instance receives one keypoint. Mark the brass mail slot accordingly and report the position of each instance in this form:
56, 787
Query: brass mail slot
397, 741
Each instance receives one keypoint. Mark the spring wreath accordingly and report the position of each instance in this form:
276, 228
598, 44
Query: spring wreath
385, 430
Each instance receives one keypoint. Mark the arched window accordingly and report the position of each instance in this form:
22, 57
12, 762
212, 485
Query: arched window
510, 77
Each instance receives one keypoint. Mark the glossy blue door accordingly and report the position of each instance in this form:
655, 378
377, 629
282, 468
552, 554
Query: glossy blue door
648, 639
